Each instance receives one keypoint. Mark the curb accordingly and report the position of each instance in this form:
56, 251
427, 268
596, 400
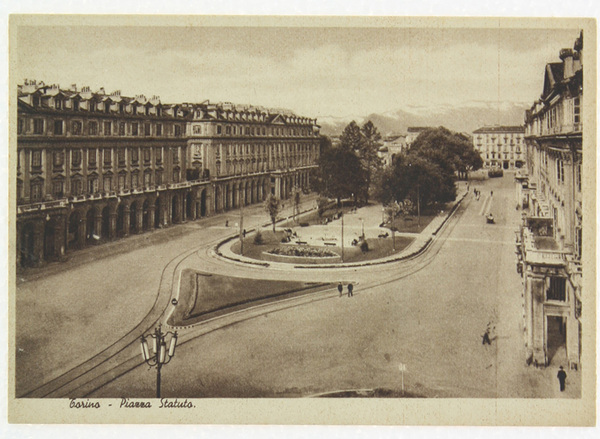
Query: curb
381, 261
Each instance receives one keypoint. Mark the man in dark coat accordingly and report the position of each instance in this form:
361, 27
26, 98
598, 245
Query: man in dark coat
340, 288
486, 336
350, 288
562, 376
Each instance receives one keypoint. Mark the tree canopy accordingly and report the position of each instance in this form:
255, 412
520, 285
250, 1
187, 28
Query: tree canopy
272, 207
340, 173
416, 179
349, 168
452, 152
370, 160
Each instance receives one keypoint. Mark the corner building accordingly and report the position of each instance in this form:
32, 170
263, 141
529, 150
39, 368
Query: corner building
549, 244
94, 167
500, 146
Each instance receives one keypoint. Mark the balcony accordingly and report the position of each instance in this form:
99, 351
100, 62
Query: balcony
42, 206
539, 246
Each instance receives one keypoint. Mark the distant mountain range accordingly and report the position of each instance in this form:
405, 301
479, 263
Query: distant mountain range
465, 118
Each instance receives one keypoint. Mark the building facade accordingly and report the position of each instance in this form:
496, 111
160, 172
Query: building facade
393, 145
501, 146
94, 166
550, 192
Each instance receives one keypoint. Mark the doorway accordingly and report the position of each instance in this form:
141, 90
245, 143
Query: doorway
556, 338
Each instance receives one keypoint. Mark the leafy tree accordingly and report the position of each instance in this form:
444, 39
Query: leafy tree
341, 173
418, 180
370, 161
451, 151
352, 137
272, 207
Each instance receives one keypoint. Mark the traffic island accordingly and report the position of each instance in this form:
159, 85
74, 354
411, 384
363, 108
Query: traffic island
203, 296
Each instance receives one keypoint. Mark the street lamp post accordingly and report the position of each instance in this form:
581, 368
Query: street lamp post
160, 354
362, 221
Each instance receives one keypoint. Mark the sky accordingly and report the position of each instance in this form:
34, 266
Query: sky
314, 71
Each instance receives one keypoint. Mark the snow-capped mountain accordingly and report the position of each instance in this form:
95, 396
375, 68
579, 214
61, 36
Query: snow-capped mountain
464, 118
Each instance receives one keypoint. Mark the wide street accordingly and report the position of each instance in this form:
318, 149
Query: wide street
428, 313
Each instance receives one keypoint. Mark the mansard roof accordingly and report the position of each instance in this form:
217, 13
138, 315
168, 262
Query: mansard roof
205, 110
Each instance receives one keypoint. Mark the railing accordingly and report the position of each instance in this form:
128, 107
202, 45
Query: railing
42, 206
180, 185
550, 257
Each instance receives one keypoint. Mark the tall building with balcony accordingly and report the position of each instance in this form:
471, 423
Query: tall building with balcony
93, 166
550, 239
500, 146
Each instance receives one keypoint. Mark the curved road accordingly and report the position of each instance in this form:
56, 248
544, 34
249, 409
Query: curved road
427, 313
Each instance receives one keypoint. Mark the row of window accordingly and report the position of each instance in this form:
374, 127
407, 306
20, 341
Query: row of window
123, 181
564, 114
506, 156
498, 149
234, 130
235, 149
506, 138
92, 128
107, 107
58, 157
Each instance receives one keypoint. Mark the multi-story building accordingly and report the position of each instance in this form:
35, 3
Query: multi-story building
500, 146
393, 145
94, 166
550, 240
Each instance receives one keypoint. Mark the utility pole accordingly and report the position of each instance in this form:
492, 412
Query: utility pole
342, 233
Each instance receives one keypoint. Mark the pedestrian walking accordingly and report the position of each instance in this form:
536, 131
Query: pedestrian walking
486, 336
340, 288
350, 289
491, 193
226, 223
562, 377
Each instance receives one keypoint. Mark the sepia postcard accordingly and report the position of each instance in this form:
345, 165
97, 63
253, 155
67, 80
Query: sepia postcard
302, 220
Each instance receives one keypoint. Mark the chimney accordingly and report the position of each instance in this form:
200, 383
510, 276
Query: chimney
74, 87
101, 91
566, 55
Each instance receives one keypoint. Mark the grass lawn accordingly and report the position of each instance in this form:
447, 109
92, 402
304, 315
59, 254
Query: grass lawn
378, 248
313, 217
204, 295
410, 224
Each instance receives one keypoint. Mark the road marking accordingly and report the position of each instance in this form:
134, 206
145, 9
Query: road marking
485, 208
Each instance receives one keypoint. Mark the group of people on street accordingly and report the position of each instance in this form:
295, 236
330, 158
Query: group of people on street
350, 289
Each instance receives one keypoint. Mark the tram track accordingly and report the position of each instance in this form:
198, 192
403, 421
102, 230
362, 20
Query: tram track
122, 356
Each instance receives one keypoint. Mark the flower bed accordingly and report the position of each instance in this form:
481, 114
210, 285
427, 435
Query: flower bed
303, 252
